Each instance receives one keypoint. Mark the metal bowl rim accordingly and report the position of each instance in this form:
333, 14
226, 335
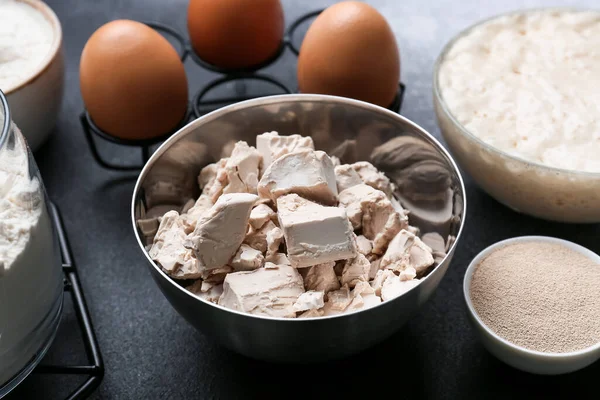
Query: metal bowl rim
268, 100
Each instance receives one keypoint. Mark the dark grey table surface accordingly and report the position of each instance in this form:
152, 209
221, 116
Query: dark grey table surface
150, 352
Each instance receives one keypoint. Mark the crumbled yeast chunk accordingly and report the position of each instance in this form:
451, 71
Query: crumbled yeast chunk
215, 276
337, 301
189, 218
307, 173
271, 146
363, 296
345, 300
169, 252
314, 234
346, 177
355, 270
407, 250
370, 210
213, 179
321, 278
375, 264
278, 259
221, 230
388, 285
394, 287
242, 169
274, 239
237, 173
265, 291
371, 176
380, 277
262, 239
247, 259
364, 245
310, 300
408, 274
260, 215
208, 292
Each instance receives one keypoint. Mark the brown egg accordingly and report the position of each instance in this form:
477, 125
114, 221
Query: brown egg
235, 33
132, 81
350, 51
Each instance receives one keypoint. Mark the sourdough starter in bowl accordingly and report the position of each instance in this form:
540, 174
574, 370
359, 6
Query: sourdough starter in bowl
517, 101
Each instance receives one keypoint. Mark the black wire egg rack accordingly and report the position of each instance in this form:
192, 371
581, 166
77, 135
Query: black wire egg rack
200, 104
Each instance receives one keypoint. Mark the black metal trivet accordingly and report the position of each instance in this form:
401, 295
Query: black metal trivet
199, 105
95, 367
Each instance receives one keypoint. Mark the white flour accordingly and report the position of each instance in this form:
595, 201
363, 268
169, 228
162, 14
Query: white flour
30, 277
529, 85
26, 38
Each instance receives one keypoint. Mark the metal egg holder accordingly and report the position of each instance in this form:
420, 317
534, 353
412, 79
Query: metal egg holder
198, 102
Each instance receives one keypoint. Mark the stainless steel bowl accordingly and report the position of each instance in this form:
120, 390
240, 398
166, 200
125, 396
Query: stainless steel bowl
429, 181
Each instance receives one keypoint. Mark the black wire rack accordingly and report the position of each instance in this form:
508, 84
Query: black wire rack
200, 105
94, 370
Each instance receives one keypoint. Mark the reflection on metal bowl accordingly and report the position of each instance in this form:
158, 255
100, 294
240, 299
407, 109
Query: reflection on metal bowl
428, 182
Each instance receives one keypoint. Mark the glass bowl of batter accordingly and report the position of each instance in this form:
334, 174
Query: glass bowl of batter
31, 278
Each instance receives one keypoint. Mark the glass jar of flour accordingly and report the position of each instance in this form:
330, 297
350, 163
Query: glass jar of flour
31, 277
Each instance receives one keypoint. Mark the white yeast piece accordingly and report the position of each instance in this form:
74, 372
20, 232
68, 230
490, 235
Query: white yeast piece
271, 146
371, 176
363, 297
307, 173
212, 179
260, 215
355, 270
242, 169
265, 291
346, 177
314, 234
221, 230
278, 259
209, 293
310, 300
394, 287
371, 210
257, 239
247, 259
407, 250
380, 277
189, 218
169, 252
338, 301
364, 245
321, 278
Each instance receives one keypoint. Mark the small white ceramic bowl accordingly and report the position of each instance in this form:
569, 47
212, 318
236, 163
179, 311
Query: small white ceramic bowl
35, 103
516, 356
